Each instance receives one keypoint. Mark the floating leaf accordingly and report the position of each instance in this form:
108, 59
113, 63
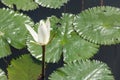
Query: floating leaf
74, 48
21, 4
24, 68
4, 48
100, 25
51, 3
83, 70
53, 50
2, 75
12, 27
77, 48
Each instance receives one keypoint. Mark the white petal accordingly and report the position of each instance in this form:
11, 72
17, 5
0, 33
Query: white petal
48, 28
32, 32
48, 24
43, 33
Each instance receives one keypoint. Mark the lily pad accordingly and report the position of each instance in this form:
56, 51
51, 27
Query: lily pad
2, 75
74, 47
51, 3
12, 27
4, 48
24, 68
100, 25
21, 4
83, 70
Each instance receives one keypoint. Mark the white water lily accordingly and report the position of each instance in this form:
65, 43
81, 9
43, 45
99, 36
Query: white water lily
43, 34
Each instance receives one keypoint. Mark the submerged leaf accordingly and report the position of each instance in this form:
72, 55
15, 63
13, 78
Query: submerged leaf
100, 25
83, 70
24, 68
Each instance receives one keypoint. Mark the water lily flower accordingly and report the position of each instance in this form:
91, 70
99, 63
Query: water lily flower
43, 34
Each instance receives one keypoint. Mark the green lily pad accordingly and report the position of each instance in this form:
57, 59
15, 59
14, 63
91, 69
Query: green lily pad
53, 50
51, 3
21, 4
24, 68
83, 70
100, 25
74, 47
12, 27
4, 48
2, 75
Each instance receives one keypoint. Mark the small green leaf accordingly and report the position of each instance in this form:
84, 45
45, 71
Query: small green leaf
99, 25
12, 27
4, 48
2, 75
24, 68
51, 3
21, 4
83, 70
